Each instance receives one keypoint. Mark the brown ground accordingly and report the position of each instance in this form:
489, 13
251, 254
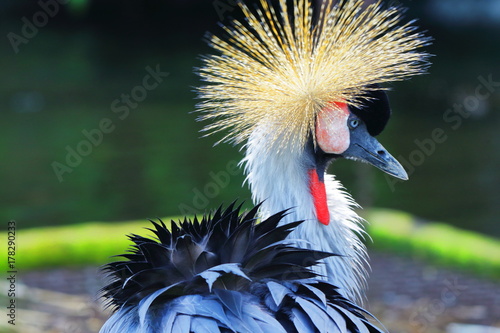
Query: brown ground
406, 295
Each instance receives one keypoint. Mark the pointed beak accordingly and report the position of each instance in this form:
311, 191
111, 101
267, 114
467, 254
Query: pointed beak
364, 147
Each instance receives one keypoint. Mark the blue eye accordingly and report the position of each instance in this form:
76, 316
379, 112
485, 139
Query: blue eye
353, 123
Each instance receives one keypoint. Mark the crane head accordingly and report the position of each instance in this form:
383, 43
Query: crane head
279, 71
348, 131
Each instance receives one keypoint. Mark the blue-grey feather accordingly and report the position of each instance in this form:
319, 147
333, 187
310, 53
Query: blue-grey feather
302, 322
318, 293
356, 322
225, 273
210, 277
317, 315
337, 318
182, 324
232, 300
263, 318
277, 292
204, 325
144, 305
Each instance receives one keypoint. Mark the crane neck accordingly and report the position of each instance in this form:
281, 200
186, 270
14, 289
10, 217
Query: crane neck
297, 181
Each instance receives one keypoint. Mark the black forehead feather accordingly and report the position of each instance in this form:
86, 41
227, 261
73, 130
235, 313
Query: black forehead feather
375, 110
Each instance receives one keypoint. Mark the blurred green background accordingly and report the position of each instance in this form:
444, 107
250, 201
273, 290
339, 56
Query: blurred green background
64, 74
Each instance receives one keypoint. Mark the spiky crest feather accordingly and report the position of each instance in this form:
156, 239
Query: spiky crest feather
283, 69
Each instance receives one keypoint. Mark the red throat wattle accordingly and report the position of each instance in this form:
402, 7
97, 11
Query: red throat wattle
318, 191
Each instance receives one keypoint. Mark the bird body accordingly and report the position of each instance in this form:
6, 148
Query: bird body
225, 273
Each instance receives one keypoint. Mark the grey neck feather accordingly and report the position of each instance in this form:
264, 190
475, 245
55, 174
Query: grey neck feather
281, 181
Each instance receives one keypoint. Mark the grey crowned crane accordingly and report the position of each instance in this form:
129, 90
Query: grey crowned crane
225, 273
300, 88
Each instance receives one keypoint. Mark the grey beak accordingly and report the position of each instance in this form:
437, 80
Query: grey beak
366, 148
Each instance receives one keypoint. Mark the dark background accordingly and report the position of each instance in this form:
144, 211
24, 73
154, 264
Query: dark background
64, 79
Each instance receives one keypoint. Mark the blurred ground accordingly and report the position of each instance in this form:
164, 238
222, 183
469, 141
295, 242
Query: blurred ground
408, 296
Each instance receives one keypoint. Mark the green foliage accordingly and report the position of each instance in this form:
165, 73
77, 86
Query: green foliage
437, 243
72, 246
94, 243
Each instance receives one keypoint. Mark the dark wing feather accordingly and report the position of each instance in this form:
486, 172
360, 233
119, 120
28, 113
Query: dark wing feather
225, 273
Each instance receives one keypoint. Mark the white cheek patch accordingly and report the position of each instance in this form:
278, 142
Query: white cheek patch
332, 132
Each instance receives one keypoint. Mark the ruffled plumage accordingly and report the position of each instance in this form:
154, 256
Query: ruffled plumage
225, 273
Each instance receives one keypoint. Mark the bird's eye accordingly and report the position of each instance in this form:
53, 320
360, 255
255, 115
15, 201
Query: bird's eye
353, 123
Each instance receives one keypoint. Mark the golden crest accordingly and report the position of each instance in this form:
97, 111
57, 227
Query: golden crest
283, 65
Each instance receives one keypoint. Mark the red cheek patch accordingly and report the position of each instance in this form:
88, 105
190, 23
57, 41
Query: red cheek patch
318, 192
332, 132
